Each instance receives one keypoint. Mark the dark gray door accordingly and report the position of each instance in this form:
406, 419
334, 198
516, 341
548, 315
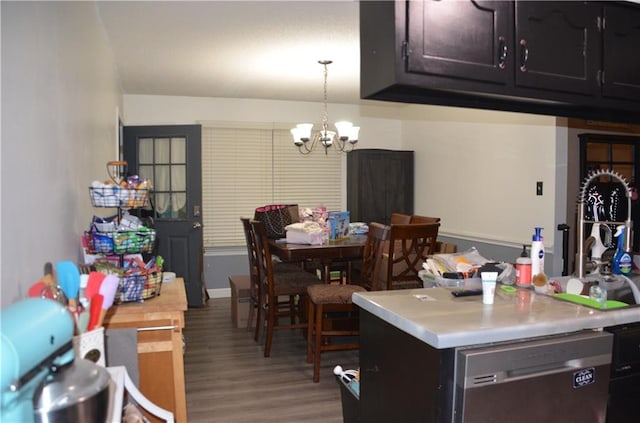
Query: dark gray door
170, 156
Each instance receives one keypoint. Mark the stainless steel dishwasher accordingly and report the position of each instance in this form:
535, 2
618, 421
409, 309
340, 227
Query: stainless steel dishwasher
559, 379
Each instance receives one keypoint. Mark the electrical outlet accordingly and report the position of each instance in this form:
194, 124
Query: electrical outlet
539, 188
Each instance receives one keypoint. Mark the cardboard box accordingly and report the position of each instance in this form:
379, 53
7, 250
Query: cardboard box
240, 299
338, 222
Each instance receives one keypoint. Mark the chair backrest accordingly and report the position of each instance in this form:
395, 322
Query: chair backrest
372, 256
423, 219
399, 219
408, 247
264, 263
252, 254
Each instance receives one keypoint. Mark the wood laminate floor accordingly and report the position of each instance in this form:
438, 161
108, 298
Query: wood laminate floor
228, 380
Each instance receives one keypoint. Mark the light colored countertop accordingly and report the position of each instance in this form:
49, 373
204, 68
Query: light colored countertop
444, 321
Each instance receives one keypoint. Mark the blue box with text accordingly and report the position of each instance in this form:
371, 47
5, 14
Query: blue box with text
338, 222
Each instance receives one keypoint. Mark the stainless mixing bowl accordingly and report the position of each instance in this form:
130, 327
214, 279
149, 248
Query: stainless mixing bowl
78, 392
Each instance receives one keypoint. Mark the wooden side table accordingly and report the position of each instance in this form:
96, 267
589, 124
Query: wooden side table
159, 321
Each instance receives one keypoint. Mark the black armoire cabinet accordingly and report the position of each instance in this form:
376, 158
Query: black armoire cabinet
379, 182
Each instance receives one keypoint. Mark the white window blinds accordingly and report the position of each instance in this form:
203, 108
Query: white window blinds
245, 168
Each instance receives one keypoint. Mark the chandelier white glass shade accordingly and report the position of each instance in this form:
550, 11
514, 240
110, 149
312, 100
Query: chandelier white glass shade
345, 138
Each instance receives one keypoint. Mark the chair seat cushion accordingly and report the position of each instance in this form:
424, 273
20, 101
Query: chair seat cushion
292, 283
332, 294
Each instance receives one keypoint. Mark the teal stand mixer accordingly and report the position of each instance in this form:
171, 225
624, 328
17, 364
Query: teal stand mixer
40, 380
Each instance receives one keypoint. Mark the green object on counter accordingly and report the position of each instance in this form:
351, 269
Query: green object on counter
586, 301
508, 289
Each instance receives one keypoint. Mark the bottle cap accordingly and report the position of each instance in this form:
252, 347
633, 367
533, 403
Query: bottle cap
524, 251
537, 236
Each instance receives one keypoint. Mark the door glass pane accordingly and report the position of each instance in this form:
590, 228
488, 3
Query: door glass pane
179, 206
178, 150
162, 178
145, 146
162, 150
162, 204
178, 178
146, 172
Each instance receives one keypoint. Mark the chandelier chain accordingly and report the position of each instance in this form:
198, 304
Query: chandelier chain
325, 118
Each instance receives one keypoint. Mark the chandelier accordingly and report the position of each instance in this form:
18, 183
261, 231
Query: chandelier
345, 139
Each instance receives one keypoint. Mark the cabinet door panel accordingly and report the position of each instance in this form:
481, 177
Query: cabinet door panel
557, 46
621, 56
373, 205
399, 188
469, 40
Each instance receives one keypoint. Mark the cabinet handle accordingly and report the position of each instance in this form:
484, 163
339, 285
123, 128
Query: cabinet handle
524, 55
503, 52
156, 328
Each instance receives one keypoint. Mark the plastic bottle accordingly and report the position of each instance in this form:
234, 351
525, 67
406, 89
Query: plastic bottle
622, 261
537, 253
523, 269
597, 248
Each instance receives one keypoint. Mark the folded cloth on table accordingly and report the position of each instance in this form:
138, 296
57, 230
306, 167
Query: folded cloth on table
306, 233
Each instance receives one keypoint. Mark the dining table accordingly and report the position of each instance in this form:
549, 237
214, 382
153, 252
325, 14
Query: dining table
345, 250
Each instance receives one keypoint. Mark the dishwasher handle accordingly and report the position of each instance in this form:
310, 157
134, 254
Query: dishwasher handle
511, 375
552, 368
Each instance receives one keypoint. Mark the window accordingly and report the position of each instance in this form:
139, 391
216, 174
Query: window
622, 155
245, 168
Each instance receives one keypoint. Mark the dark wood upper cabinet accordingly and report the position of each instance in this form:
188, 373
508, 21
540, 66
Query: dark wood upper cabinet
557, 46
562, 58
476, 48
621, 47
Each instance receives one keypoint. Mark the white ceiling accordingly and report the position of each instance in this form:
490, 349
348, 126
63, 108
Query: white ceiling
235, 49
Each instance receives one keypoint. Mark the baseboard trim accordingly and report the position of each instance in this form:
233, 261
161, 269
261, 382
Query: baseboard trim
219, 292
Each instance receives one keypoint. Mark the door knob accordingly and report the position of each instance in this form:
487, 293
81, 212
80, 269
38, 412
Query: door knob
197, 225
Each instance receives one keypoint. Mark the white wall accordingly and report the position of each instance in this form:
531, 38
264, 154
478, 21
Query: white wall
60, 97
379, 132
478, 170
473, 167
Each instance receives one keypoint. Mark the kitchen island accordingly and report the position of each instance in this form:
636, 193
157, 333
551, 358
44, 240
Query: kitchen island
410, 339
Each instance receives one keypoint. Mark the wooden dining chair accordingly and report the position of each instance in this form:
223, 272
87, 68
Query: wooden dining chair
326, 302
399, 219
372, 262
254, 283
291, 284
441, 246
408, 248
415, 218
256, 294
